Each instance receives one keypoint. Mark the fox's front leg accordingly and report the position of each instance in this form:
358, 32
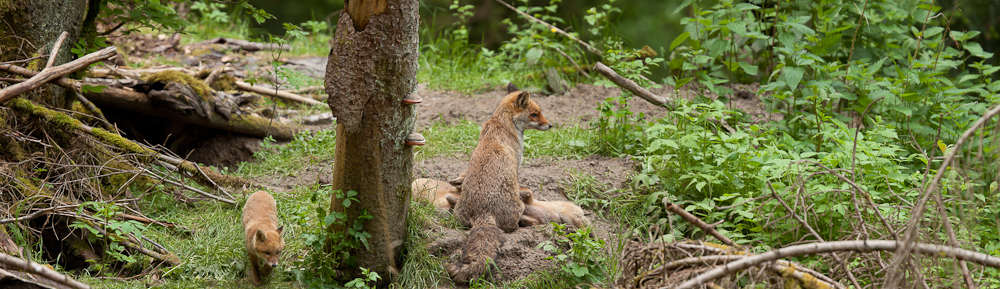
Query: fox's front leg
255, 269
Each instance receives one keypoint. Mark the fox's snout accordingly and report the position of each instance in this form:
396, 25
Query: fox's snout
274, 265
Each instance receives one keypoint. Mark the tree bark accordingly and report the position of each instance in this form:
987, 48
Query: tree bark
32, 26
372, 67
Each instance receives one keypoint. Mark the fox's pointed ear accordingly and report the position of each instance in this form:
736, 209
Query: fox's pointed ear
522, 100
280, 229
260, 236
452, 199
511, 87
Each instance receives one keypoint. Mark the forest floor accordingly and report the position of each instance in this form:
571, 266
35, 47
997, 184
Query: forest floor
212, 250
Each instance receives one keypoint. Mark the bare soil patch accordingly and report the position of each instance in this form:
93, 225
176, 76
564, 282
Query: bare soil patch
550, 179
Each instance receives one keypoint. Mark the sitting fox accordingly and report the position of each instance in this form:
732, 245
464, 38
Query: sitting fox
536, 212
490, 202
435, 192
262, 234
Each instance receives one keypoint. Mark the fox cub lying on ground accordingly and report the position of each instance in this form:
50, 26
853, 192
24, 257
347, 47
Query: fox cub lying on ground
262, 234
535, 212
438, 193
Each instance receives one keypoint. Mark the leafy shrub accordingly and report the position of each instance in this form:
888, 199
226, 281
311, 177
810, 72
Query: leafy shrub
583, 262
329, 250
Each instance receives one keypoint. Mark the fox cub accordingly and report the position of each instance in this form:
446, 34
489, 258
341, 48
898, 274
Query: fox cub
541, 212
490, 202
535, 212
438, 193
262, 233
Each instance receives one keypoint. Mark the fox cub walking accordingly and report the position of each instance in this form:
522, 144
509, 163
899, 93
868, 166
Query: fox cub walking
261, 233
490, 201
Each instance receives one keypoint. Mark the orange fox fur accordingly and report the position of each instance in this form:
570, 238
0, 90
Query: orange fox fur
262, 234
434, 192
490, 202
542, 212
536, 212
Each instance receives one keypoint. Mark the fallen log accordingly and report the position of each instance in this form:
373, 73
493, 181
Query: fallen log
249, 124
243, 44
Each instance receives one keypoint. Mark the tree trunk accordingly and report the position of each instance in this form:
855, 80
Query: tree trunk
372, 67
30, 27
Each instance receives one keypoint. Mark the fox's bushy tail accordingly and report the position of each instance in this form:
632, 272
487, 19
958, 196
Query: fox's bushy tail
481, 248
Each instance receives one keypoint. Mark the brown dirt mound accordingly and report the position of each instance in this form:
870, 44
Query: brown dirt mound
550, 179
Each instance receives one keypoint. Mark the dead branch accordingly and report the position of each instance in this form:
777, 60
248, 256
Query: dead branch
308, 89
917, 213
190, 188
282, 94
55, 49
815, 234
36, 214
630, 85
857, 245
53, 73
215, 73
126, 144
697, 222
37, 269
68, 84
649, 96
573, 62
245, 45
550, 26
242, 123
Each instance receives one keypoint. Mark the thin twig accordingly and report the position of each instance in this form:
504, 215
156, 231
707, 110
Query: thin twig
55, 49
36, 214
917, 213
190, 188
815, 234
215, 73
573, 62
697, 222
550, 26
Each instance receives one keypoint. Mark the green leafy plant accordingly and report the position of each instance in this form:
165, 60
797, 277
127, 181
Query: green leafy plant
107, 230
329, 250
363, 283
583, 262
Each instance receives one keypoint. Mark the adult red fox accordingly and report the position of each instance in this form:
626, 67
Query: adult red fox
535, 212
434, 192
490, 203
262, 234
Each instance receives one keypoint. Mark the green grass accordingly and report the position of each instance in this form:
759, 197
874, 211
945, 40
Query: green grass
305, 149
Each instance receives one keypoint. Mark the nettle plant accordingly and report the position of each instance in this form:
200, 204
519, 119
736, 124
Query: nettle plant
328, 250
890, 67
